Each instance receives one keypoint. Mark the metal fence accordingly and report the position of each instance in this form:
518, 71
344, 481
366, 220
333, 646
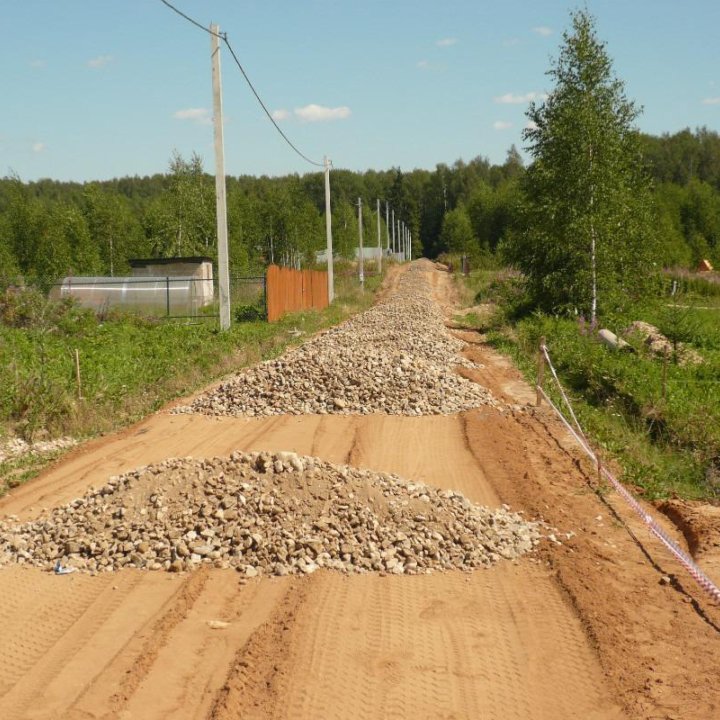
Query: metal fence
168, 297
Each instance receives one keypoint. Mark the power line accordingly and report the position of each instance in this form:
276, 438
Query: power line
262, 105
224, 38
188, 18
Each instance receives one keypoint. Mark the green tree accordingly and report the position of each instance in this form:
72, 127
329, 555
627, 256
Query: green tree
114, 228
182, 221
587, 198
457, 232
8, 265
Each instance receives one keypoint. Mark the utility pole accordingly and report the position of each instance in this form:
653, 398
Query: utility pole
360, 232
220, 201
399, 237
393, 228
387, 223
377, 206
328, 232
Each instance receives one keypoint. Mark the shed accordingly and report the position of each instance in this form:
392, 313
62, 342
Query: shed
199, 268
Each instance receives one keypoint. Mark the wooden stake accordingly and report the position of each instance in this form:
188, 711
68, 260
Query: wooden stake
540, 371
77, 374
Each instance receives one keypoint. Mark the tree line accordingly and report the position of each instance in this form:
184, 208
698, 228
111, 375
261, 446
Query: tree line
49, 229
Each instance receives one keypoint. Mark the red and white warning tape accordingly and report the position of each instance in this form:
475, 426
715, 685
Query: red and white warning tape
577, 432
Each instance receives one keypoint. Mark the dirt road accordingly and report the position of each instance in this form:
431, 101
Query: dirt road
580, 630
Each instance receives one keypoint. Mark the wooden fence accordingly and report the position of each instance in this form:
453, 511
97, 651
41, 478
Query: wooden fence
290, 290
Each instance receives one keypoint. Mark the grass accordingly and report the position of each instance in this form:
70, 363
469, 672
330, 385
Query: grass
660, 420
129, 366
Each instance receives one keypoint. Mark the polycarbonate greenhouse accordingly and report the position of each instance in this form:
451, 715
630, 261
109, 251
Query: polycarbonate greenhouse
168, 296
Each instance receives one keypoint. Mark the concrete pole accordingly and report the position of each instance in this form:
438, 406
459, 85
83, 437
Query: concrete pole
393, 229
220, 198
387, 223
328, 232
361, 264
399, 236
377, 208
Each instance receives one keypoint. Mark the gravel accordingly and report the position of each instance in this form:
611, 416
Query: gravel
265, 513
395, 358
17, 447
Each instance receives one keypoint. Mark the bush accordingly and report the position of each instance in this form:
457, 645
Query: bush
249, 313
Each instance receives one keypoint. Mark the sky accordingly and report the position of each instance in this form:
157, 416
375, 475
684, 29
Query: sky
97, 89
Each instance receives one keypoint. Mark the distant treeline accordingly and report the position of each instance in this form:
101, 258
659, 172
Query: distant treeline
49, 229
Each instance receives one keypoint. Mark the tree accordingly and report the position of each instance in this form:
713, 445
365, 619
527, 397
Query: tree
114, 228
587, 200
457, 232
182, 220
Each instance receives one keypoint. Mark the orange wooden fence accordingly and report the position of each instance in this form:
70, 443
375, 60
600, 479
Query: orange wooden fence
290, 290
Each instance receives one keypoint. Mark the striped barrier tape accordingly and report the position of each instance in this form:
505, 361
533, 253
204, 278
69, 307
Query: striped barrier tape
683, 558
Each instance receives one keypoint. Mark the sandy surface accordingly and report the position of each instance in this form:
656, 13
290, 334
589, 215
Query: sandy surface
581, 630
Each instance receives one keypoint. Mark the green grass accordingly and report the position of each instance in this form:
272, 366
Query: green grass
130, 366
661, 423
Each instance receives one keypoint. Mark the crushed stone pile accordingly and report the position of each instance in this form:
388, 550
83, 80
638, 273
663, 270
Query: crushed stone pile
265, 513
661, 346
395, 358
17, 447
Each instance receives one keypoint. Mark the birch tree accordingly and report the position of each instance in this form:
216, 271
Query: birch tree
586, 240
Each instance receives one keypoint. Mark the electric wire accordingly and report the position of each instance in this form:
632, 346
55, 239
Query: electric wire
224, 38
189, 19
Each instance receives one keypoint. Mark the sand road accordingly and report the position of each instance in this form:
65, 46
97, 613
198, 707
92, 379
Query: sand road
509, 642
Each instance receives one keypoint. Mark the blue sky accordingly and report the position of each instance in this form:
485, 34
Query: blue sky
95, 89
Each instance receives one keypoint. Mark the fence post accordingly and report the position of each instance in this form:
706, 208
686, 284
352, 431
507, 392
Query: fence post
167, 297
540, 371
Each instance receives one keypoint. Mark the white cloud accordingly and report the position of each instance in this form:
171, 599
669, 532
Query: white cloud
423, 64
446, 42
510, 99
543, 30
37, 63
530, 125
280, 115
200, 116
100, 61
38, 147
318, 113
711, 101
502, 125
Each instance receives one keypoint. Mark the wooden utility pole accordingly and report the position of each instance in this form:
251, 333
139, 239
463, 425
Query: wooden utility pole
379, 240
328, 232
220, 199
360, 232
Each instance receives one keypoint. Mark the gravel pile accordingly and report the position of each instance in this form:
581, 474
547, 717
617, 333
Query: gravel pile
17, 447
267, 513
395, 358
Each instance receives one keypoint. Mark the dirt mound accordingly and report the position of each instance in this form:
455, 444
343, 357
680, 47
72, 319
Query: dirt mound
395, 358
261, 513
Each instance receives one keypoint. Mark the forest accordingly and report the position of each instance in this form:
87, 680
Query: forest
49, 229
